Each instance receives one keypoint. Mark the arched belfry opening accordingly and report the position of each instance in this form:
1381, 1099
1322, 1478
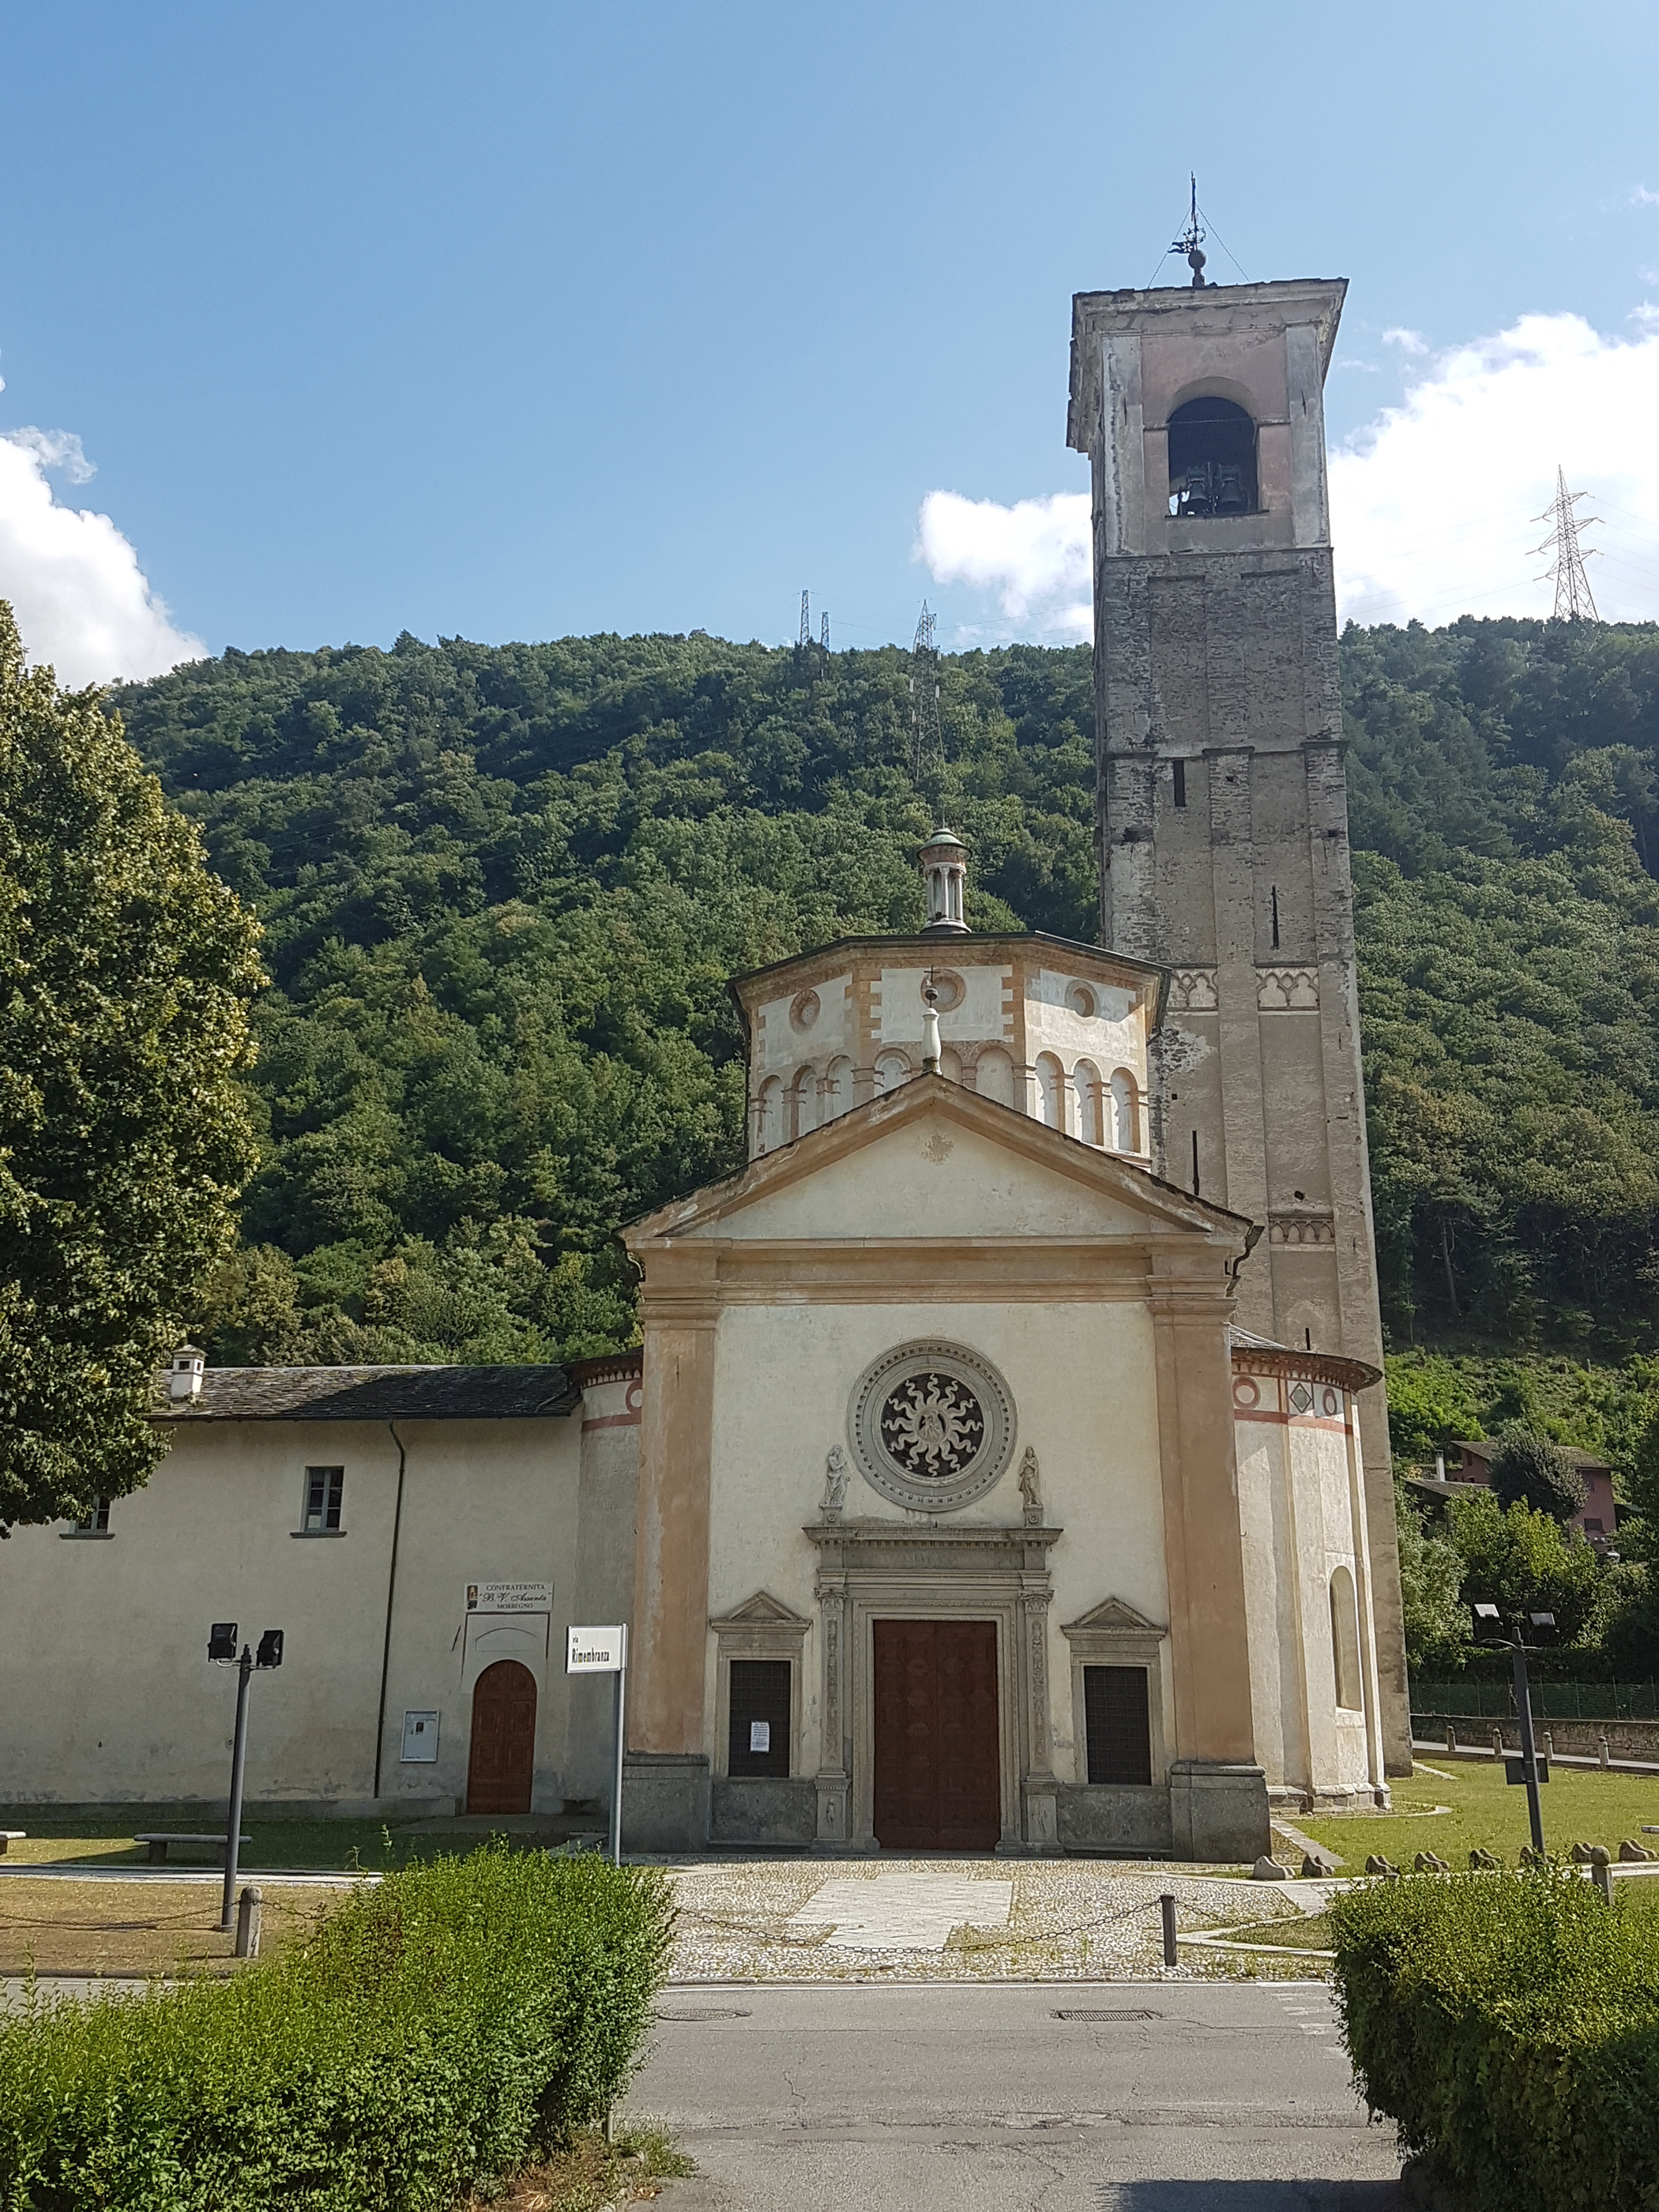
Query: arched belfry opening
1212, 460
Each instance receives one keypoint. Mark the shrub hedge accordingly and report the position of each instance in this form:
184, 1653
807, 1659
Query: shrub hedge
1509, 2024
440, 2028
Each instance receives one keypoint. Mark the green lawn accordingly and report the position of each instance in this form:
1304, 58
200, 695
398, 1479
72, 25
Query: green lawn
1580, 1805
103, 1836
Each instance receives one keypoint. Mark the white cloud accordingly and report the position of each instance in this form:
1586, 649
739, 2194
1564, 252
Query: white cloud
1432, 503
1643, 197
1412, 342
1034, 555
82, 601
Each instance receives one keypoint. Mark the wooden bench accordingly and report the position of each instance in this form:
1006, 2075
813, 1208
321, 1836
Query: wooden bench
158, 1845
9, 1836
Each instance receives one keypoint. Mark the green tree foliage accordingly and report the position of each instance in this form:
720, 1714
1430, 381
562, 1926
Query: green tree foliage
1523, 1561
1529, 1470
1437, 1622
1431, 1406
124, 1133
504, 888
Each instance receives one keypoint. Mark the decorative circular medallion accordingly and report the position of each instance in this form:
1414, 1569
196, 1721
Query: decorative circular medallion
948, 988
931, 1426
803, 1010
1082, 1001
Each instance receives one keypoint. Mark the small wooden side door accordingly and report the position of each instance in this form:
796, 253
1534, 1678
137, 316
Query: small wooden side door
501, 1762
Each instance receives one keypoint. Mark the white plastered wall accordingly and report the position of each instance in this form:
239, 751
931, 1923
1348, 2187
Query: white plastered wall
1299, 1513
109, 1692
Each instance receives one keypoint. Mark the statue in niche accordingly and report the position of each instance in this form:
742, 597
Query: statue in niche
1028, 1488
835, 1483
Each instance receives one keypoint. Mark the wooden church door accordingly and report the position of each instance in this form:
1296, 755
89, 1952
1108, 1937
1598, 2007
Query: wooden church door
936, 1781
502, 1764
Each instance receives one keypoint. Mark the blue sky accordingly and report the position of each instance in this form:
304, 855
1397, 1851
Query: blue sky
513, 321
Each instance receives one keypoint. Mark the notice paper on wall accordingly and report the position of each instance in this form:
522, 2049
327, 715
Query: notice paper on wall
760, 1735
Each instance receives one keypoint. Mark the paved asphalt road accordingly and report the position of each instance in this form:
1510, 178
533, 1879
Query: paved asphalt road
975, 2098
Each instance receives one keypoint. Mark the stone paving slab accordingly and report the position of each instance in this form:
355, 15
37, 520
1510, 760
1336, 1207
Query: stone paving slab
957, 1920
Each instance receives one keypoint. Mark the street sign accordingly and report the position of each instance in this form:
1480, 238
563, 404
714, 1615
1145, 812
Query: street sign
596, 1651
1514, 1770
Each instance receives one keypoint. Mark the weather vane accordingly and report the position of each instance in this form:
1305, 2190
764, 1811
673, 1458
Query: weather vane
1191, 240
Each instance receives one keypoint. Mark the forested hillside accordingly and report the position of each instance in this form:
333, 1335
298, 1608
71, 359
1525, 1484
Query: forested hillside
503, 890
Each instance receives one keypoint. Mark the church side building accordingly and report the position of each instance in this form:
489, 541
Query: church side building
1222, 802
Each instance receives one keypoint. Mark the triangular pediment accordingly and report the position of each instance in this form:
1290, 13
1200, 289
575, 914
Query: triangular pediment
761, 1611
1114, 1615
933, 1159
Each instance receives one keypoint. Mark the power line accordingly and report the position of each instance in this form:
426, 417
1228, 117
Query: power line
1573, 601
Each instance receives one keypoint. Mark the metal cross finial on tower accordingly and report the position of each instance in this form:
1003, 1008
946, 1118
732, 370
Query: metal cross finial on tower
1191, 239
928, 763
1573, 599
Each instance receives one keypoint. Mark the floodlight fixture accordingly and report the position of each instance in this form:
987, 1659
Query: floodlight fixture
269, 1653
221, 1643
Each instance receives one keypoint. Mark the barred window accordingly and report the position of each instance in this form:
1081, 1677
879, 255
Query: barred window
758, 1742
1117, 1718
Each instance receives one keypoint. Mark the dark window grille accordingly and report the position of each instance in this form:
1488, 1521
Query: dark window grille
325, 1493
759, 1737
1180, 768
1117, 1719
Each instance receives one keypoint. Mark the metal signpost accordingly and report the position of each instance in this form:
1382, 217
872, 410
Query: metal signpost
221, 1650
605, 1651
1529, 1768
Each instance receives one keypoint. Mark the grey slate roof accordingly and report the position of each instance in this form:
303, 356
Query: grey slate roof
373, 1394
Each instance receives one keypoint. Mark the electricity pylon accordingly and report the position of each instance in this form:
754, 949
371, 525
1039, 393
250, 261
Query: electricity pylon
929, 761
1573, 599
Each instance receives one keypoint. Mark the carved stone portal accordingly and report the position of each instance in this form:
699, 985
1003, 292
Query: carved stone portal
889, 1569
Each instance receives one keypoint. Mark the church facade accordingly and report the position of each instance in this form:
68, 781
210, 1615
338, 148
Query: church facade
1000, 1468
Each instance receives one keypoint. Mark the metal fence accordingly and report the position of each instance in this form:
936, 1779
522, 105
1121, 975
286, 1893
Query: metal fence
1550, 1701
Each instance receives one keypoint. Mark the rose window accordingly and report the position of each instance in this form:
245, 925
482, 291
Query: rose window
931, 1426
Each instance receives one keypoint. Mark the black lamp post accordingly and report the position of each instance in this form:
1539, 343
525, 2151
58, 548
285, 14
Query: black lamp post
1528, 1768
221, 1650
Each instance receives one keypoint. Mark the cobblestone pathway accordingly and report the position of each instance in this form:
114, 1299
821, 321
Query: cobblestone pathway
961, 1919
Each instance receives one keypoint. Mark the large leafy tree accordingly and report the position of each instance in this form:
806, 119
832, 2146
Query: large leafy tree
127, 970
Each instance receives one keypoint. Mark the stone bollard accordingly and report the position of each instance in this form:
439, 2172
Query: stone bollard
249, 1907
1451, 1737
1497, 1743
1549, 1744
1606, 1755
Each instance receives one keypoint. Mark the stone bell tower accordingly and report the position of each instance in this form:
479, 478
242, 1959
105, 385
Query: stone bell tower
1222, 802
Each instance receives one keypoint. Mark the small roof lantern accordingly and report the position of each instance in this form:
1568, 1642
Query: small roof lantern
944, 881
184, 1377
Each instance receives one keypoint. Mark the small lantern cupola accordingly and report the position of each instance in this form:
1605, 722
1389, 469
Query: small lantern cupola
944, 881
184, 1377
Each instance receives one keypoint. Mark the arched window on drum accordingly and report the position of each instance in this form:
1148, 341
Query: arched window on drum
1126, 1112
892, 1068
804, 1102
837, 1087
994, 1075
1091, 1103
1051, 1090
768, 1114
